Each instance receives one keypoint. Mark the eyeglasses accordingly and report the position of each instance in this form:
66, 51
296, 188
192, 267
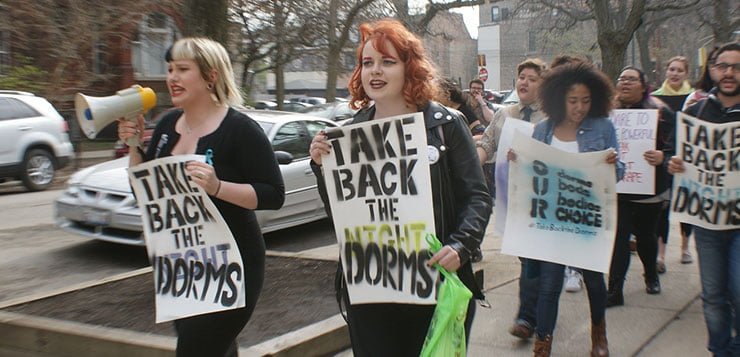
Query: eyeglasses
476, 88
628, 79
724, 66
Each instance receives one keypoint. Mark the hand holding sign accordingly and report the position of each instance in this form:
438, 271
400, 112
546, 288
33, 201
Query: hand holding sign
675, 165
319, 146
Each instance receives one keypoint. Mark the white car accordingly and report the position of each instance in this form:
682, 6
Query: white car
98, 201
34, 140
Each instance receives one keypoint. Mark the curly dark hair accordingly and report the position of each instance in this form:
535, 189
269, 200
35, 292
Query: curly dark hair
561, 79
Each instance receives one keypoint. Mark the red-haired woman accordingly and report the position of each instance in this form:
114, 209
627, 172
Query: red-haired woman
394, 77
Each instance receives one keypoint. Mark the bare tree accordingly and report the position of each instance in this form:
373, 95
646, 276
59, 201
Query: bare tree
208, 18
276, 32
616, 21
66, 36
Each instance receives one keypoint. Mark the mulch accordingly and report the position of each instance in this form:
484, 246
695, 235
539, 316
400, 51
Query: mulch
297, 293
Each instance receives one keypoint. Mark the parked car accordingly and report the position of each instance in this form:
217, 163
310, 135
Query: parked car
288, 106
34, 140
311, 100
336, 111
98, 202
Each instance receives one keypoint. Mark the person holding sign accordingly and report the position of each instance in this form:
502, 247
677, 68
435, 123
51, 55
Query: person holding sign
718, 250
639, 214
242, 174
673, 92
394, 77
577, 99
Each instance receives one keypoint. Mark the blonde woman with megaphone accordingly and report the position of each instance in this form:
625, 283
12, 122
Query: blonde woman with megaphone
243, 174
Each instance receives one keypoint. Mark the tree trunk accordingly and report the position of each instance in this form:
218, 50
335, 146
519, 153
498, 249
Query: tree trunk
642, 39
612, 56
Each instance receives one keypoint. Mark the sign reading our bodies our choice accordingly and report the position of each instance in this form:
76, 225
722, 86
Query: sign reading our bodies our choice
502, 168
636, 133
707, 194
378, 183
197, 266
561, 206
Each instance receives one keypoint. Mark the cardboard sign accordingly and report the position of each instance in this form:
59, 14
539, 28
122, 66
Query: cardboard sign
379, 187
636, 133
511, 125
707, 194
562, 206
197, 266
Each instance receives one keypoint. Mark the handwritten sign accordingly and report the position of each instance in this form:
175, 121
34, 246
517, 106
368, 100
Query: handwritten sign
379, 189
562, 206
707, 194
636, 133
197, 266
502, 169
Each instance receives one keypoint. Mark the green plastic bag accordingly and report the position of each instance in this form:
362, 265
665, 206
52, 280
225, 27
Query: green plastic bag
446, 334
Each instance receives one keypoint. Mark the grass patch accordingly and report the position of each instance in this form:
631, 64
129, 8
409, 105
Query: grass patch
94, 145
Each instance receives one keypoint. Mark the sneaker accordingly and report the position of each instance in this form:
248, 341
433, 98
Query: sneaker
573, 280
686, 258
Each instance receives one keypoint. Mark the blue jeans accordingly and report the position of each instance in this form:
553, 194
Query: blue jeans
551, 283
719, 268
528, 284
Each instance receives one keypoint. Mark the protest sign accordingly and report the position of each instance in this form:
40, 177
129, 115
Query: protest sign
636, 133
707, 194
197, 266
562, 206
378, 183
502, 169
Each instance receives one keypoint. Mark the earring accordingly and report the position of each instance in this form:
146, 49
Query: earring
209, 86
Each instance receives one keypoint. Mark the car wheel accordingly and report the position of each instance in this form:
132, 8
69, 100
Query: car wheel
38, 170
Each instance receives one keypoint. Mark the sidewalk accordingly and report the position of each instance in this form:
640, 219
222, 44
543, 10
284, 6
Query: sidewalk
668, 324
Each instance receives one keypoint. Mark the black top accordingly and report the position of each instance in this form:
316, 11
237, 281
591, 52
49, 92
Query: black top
241, 154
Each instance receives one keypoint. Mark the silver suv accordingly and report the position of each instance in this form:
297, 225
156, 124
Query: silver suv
34, 142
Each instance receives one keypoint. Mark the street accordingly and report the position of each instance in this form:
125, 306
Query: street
39, 259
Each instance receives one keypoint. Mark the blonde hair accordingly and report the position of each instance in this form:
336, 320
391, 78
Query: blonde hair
209, 55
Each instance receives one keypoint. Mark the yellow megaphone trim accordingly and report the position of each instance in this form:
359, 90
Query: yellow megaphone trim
148, 98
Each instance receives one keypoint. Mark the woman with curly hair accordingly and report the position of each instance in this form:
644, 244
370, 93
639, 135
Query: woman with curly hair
577, 99
394, 77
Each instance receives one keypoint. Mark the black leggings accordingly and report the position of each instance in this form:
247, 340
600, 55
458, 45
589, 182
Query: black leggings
392, 330
641, 220
215, 334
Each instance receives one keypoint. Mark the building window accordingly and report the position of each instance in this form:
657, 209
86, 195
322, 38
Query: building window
99, 58
157, 32
532, 42
495, 14
4, 51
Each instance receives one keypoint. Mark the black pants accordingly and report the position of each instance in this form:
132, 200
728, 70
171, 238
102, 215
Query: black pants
214, 334
391, 330
641, 220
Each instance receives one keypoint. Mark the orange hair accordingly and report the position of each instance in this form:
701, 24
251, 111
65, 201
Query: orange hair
419, 86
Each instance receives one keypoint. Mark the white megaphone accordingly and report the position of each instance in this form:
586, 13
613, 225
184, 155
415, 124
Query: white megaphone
95, 113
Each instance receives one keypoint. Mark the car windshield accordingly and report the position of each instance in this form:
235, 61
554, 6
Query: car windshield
266, 126
321, 110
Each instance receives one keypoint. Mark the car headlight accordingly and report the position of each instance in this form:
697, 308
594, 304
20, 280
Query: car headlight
73, 190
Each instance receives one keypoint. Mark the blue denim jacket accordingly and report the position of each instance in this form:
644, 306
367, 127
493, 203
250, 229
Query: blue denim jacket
594, 134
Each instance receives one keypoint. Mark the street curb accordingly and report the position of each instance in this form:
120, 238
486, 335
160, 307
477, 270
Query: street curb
66, 338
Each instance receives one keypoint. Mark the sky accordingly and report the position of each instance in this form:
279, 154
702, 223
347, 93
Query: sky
470, 15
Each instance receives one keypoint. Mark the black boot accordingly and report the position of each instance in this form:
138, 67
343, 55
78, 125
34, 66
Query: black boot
614, 296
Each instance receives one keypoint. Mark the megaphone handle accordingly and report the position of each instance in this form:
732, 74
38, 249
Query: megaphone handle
133, 142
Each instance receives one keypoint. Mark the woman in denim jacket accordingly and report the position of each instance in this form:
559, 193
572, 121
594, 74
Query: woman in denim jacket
577, 99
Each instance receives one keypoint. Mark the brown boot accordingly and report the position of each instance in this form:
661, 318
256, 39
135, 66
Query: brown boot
599, 345
542, 347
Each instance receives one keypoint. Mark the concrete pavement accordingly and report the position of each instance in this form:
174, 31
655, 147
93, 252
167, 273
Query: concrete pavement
669, 324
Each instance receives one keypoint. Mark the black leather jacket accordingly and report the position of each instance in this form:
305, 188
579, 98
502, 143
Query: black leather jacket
462, 205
